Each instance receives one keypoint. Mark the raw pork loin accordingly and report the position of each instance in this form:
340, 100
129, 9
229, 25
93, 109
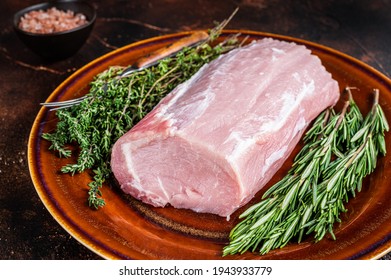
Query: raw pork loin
218, 138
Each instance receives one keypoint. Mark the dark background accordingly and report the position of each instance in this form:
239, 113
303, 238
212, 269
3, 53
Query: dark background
361, 29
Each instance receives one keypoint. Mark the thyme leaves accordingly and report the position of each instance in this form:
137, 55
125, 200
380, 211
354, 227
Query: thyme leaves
114, 105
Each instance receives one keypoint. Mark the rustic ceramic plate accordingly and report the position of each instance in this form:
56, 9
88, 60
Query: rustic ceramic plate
128, 229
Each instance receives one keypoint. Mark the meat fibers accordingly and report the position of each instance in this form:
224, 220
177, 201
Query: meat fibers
218, 138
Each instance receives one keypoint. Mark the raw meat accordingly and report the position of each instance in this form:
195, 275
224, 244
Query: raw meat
218, 138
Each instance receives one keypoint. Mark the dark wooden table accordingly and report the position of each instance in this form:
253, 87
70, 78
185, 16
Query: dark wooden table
361, 29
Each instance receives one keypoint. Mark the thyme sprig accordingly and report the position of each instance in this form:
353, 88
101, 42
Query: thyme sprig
114, 105
339, 151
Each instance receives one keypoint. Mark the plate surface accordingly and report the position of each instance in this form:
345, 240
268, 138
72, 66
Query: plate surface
128, 229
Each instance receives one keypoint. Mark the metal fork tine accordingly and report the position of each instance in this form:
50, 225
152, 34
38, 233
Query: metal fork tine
63, 107
61, 103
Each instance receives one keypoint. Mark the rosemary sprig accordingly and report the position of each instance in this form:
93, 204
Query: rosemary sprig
339, 152
346, 174
115, 105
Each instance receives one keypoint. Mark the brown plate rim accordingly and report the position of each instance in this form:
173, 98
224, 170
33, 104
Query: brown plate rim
379, 247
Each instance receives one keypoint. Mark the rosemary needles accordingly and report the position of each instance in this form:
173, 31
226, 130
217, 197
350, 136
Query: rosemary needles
339, 150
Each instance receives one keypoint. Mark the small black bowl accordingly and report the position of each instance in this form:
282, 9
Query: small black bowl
59, 45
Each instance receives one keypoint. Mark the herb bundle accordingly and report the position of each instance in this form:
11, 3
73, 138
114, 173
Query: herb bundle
339, 151
114, 105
